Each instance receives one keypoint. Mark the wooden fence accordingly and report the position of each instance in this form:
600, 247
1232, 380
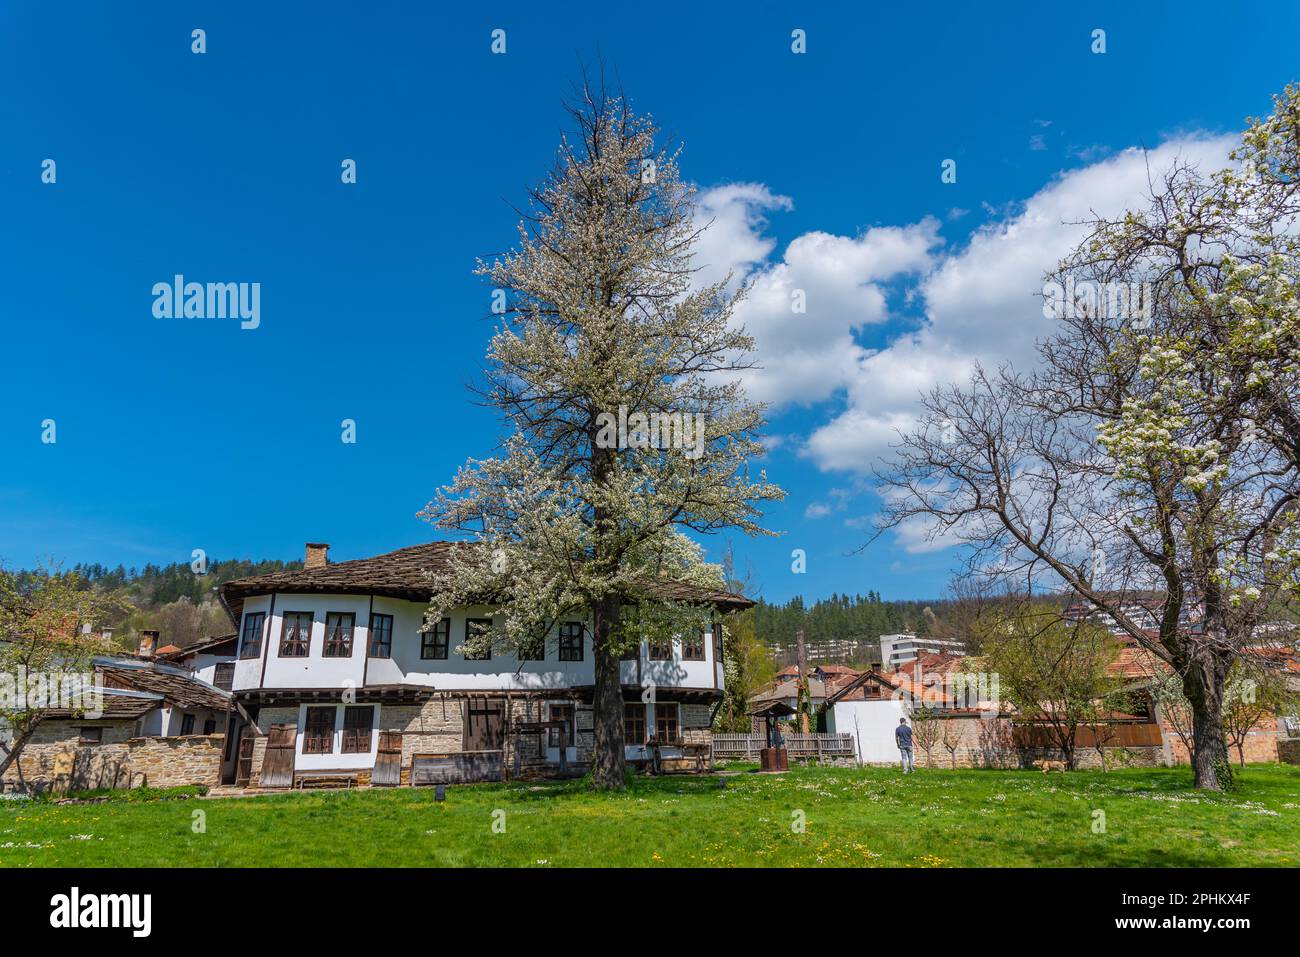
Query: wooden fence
747, 746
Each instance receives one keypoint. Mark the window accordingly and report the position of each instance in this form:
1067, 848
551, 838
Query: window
475, 627
250, 643
571, 641
91, 736
666, 722
356, 729
187, 724
433, 644
224, 676
634, 723
693, 647
535, 650
381, 636
661, 650
631, 653
338, 634
295, 634
210, 726
318, 736
561, 737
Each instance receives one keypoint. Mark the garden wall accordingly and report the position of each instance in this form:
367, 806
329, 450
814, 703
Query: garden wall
56, 759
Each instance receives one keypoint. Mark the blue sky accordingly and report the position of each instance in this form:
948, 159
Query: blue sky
822, 171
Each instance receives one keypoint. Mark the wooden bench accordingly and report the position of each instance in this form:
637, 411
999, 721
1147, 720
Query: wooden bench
324, 779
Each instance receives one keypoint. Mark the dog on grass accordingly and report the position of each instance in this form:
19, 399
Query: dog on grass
1046, 766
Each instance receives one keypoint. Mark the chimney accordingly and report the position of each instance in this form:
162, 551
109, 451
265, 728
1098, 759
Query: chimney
148, 644
318, 555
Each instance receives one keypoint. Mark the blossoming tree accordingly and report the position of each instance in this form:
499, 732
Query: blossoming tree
1154, 456
600, 321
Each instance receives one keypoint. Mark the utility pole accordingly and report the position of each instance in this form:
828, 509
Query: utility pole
805, 699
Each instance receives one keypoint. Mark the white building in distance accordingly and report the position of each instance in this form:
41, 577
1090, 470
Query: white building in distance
896, 650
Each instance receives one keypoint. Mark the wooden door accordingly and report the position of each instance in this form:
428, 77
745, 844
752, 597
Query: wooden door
388, 762
277, 765
485, 724
244, 766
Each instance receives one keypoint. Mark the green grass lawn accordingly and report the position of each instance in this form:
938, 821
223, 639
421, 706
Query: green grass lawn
871, 817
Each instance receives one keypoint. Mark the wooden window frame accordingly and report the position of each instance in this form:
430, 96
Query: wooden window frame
633, 719
339, 647
568, 713
435, 646
652, 650
91, 734
251, 647
226, 668
298, 640
568, 652
308, 735
380, 648
187, 724
694, 649
537, 652
354, 741
673, 736
209, 727
477, 621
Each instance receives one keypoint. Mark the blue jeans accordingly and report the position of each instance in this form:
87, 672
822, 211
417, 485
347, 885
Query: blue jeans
907, 759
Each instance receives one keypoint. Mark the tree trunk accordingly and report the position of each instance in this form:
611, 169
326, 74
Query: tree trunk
15, 749
607, 763
1203, 685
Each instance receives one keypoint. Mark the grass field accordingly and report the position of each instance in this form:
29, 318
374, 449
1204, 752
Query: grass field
871, 817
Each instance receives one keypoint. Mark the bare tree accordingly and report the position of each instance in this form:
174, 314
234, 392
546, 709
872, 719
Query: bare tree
1051, 670
951, 739
1255, 692
925, 730
1156, 450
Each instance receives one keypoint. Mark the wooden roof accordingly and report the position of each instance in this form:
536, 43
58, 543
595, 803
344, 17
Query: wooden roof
406, 572
164, 681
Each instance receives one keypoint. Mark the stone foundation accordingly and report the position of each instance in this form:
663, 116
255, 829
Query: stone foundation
437, 726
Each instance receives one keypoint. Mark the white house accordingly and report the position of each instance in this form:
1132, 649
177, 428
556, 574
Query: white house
902, 649
334, 676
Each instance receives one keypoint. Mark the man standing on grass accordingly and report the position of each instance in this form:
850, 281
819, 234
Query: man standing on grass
903, 736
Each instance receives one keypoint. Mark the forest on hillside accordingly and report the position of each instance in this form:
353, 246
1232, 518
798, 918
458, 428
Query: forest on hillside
182, 604
841, 617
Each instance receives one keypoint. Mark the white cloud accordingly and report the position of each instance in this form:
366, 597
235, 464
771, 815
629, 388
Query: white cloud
736, 215
807, 356
982, 302
816, 510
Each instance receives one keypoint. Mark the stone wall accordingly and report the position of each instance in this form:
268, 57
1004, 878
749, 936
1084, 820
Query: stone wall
990, 743
174, 762
54, 759
1261, 743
